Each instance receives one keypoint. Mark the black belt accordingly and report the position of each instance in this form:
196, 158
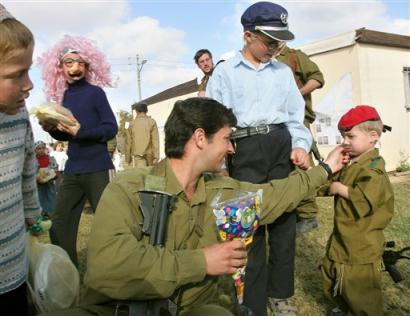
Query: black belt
242, 132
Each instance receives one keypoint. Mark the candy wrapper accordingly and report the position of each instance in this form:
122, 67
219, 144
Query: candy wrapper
52, 113
238, 218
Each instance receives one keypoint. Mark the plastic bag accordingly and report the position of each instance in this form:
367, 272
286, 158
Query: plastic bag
52, 113
238, 218
54, 282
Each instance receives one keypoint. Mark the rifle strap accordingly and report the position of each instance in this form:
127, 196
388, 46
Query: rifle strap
294, 67
292, 61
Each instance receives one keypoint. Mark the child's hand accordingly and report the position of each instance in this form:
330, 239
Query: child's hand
30, 222
47, 126
300, 158
338, 188
71, 128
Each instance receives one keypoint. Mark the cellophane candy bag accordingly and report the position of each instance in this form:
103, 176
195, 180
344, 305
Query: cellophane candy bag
238, 218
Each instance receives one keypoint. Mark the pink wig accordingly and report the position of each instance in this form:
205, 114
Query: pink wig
98, 72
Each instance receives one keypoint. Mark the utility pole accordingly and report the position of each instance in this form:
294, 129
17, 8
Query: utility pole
139, 68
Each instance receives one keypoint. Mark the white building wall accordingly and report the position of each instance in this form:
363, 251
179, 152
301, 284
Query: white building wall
381, 76
160, 112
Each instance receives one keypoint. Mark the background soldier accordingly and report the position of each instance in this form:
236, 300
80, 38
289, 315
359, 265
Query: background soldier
204, 61
142, 140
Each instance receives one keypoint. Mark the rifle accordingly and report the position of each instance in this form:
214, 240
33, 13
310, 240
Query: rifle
155, 207
390, 257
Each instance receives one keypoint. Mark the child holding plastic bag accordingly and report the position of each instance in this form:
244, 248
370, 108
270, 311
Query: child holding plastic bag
46, 176
238, 219
19, 205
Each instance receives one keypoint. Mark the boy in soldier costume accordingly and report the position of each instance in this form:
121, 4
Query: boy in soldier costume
364, 205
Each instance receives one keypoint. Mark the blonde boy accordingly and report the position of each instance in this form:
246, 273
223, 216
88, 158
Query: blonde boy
19, 204
364, 205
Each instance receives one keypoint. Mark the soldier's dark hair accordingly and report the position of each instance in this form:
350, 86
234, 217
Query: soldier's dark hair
140, 107
191, 114
201, 52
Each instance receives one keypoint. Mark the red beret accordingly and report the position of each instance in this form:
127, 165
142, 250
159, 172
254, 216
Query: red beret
357, 115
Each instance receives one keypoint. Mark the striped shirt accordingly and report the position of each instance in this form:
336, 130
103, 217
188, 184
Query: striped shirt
18, 196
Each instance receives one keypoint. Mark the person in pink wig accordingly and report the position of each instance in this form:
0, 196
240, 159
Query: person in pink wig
75, 71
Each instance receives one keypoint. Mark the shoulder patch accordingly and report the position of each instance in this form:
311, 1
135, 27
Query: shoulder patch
374, 162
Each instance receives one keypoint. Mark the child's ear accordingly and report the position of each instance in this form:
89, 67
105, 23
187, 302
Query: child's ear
374, 136
247, 37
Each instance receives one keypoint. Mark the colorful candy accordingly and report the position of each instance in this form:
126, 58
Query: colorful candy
238, 219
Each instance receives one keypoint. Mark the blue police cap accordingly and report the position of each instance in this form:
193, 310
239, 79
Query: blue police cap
269, 18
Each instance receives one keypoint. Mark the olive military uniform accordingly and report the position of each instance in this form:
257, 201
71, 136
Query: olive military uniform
351, 268
142, 141
204, 82
123, 265
304, 70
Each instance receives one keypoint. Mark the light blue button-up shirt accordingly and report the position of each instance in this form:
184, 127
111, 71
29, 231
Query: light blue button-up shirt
264, 95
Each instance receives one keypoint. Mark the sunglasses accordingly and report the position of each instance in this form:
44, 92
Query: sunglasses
272, 44
69, 62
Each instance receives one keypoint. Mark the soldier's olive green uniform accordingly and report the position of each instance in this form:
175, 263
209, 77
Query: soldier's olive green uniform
123, 265
352, 267
142, 141
204, 82
304, 70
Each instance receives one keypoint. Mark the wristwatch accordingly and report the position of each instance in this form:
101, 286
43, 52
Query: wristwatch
327, 168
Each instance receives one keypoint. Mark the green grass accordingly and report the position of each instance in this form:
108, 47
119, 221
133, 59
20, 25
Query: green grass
309, 297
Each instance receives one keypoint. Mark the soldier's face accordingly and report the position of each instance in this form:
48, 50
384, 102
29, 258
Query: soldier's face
205, 63
357, 141
218, 146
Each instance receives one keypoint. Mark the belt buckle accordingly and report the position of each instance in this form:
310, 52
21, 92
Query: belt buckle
259, 127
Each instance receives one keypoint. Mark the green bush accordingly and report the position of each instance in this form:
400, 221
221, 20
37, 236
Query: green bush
404, 163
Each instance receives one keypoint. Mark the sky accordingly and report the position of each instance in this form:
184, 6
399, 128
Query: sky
167, 33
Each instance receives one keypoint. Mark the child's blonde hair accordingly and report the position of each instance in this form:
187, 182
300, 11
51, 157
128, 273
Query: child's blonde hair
14, 36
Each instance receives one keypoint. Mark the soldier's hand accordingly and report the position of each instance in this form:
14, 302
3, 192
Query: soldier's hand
300, 158
225, 258
337, 158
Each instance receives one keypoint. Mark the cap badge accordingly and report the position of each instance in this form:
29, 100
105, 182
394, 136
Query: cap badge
284, 18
